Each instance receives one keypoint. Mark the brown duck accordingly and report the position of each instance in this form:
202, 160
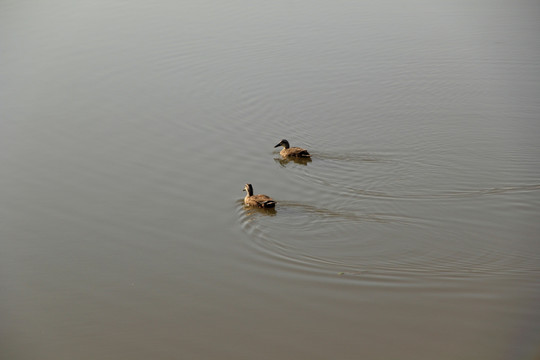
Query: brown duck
262, 201
291, 151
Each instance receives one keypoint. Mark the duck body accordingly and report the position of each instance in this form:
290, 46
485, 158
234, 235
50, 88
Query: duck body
294, 151
260, 200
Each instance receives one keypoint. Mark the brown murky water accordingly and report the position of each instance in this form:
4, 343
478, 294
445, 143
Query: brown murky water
129, 130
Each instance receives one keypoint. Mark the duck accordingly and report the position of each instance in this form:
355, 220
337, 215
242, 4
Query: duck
291, 151
262, 201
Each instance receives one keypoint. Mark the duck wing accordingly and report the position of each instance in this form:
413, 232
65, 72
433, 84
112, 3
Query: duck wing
264, 201
296, 151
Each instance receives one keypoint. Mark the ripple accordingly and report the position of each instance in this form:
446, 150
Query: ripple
326, 239
345, 227
341, 175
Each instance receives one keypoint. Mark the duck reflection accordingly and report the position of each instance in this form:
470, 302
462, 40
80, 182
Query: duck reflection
298, 160
253, 211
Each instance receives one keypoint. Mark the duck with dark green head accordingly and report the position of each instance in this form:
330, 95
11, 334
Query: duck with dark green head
292, 151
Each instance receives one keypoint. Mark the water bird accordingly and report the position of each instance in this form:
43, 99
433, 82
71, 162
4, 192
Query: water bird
292, 151
262, 201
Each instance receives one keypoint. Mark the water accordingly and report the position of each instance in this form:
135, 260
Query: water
129, 130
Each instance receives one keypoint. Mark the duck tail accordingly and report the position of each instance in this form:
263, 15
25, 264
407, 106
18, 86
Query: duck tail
268, 204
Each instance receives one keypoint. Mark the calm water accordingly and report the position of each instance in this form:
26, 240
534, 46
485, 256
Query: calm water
128, 131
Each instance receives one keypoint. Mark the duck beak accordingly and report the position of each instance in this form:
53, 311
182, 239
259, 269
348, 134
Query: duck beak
277, 145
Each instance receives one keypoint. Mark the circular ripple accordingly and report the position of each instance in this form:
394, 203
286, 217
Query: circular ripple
360, 243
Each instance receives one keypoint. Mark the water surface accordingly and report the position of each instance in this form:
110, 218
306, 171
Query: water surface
129, 131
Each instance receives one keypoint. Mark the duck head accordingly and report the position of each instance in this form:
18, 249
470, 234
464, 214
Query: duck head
249, 189
283, 143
